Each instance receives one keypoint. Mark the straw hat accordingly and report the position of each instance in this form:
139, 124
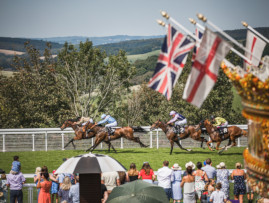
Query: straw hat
176, 167
222, 165
238, 165
190, 164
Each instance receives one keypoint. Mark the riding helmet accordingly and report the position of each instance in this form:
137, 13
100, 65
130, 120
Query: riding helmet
212, 117
103, 116
172, 113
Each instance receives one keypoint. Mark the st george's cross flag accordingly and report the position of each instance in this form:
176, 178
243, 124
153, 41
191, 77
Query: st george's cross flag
171, 61
255, 46
205, 68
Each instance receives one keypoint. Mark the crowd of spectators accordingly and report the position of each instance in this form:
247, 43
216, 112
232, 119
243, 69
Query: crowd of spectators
195, 182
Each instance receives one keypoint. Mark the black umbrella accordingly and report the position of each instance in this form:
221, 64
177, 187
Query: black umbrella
138, 192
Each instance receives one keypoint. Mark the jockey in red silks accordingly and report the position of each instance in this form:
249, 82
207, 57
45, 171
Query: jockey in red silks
178, 119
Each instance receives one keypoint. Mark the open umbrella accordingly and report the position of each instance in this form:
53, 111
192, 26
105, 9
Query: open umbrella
138, 192
90, 166
90, 163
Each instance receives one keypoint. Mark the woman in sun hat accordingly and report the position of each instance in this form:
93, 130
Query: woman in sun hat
176, 180
200, 178
223, 178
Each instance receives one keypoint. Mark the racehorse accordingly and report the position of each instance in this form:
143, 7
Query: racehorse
102, 135
233, 133
80, 133
190, 131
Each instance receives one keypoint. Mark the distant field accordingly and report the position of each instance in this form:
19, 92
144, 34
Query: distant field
133, 58
11, 52
6, 73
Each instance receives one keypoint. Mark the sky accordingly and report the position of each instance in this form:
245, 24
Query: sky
96, 18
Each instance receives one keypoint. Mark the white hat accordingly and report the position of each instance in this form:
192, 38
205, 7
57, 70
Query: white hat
190, 164
103, 116
176, 167
218, 166
172, 113
222, 164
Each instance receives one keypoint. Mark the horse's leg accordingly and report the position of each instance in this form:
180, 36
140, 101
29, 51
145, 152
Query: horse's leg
172, 145
97, 142
202, 141
69, 142
218, 144
137, 139
208, 145
181, 146
73, 144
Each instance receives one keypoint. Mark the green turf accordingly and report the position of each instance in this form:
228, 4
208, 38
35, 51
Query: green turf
53, 159
133, 58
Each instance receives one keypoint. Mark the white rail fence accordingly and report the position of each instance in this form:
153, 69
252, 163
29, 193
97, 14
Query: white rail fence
44, 139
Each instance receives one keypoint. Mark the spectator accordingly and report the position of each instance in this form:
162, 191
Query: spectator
104, 193
110, 180
44, 169
210, 171
218, 196
15, 183
16, 165
63, 192
209, 188
189, 164
3, 188
45, 185
123, 177
188, 183
223, 178
74, 191
249, 193
164, 179
54, 187
239, 176
37, 174
146, 173
133, 172
176, 180
200, 178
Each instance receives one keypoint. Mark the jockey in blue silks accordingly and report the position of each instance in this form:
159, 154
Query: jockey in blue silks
110, 120
178, 119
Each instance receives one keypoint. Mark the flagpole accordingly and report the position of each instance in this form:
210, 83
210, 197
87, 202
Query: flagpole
232, 49
204, 19
255, 32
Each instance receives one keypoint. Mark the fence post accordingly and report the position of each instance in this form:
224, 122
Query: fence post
33, 135
30, 195
157, 138
121, 143
238, 145
4, 142
92, 141
101, 145
62, 141
46, 141
150, 138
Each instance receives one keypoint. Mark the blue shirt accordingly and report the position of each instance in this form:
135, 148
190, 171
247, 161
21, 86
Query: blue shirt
74, 193
108, 119
210, 171
16, 166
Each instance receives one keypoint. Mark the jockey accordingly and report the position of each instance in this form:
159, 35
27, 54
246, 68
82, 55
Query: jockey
83, 120
220, 123
178, 119
111, 122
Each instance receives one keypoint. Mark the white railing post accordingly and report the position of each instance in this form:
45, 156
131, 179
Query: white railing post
4, 142
150, 139
33, 136
92, 141
238, 145
121, 143
30, 195
157, 134
46, 141
101, 145
62, 141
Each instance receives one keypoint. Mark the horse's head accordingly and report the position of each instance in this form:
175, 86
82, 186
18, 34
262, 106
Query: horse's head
156, 125
207, 122
67, 123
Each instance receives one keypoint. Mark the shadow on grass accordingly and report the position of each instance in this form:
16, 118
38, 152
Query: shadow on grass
120, 152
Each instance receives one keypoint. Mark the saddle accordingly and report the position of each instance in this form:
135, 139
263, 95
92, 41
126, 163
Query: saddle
179, 129
223, 130
110, 131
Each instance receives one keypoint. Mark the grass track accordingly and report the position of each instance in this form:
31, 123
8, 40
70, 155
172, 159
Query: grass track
53, 159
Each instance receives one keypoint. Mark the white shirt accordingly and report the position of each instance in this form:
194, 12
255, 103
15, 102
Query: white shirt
164, 177
217, 197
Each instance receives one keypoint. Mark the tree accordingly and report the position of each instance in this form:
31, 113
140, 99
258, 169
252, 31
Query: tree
94, 83
33, 96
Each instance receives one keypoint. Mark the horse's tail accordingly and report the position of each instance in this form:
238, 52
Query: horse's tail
244, 133
138, 129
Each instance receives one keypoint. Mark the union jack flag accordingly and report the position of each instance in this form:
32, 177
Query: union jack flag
171, 61
199, 35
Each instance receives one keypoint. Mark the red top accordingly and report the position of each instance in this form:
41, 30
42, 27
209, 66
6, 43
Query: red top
143, 174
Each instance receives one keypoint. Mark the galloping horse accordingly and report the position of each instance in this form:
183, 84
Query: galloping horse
102, 135
172, 136
233, 133
79, 133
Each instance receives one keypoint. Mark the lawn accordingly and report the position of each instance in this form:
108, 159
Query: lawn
53, 159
